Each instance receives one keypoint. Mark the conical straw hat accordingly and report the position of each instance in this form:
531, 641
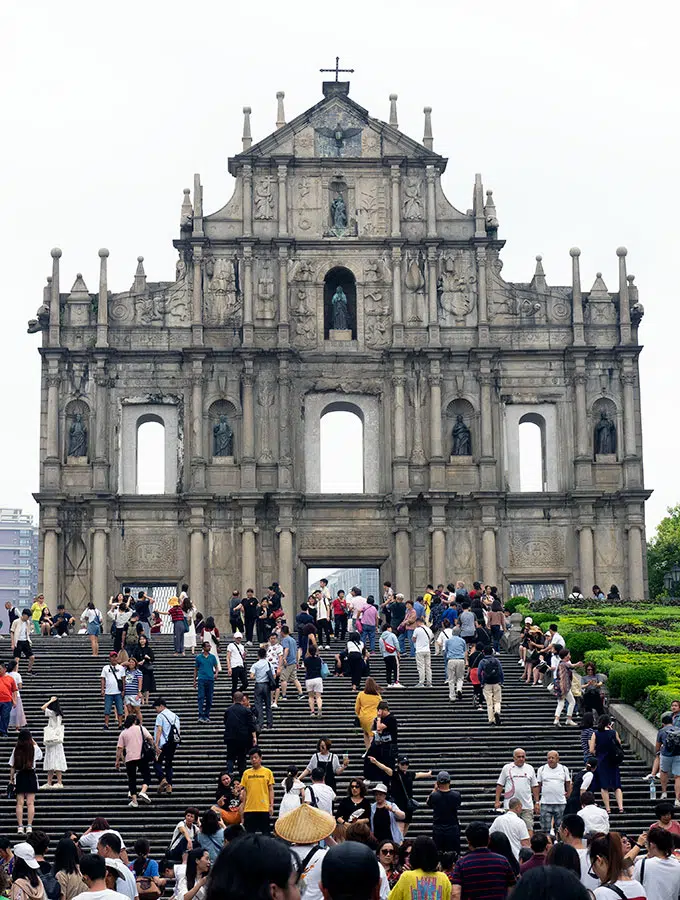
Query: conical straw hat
305, 825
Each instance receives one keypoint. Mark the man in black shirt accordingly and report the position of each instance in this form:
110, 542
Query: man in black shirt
236, 612
239, 733
250, 612
143, 613
303, 619
445, 804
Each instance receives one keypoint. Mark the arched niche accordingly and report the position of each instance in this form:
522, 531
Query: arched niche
340, 278
543, 417
77, 432
367, 408
216, 440
464, 409
134, 416
605, 406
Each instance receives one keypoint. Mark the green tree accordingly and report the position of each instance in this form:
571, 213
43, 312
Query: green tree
663, 551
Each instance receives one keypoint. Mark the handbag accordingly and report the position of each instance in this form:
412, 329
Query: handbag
148, 749
325, 671
411, 804
618, 754
277, 614
271, 680
11, 791
147, 889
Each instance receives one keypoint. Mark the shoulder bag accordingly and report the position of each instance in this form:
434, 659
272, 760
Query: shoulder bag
148, 749
411, 804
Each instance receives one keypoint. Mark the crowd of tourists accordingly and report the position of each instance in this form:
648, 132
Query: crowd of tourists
548, 835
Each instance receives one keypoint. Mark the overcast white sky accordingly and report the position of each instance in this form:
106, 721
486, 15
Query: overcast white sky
568, 109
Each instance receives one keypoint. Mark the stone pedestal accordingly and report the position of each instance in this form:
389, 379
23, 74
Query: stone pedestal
337, 334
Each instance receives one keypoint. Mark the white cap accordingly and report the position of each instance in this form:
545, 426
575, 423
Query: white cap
27, 853
380, 788
528, 621
237, 634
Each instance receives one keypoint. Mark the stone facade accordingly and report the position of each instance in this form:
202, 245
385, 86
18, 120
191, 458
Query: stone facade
337, 204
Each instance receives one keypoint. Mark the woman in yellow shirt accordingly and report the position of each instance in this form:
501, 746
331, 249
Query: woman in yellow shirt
422, 879
366, 708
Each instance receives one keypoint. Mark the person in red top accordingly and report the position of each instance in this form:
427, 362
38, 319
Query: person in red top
539, 844
340, 616
176, 613
664, 813
8, 698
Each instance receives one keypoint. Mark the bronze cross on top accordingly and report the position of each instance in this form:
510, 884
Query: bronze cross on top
337, 68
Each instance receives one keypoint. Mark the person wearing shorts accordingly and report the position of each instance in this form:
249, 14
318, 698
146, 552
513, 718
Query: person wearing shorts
289, 663
133, 689
314, 681
110, 676
21, 639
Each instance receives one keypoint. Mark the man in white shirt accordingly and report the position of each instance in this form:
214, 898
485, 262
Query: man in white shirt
555, 639
594, 818
518, 780
421, 636
321, 792
93, 872
513, 827
20, 633
442, 638
236, 663
555, 782
109, 847
112, 676
166, 736
658, 872
572, 830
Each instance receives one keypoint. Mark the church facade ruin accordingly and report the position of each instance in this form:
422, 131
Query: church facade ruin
339, 276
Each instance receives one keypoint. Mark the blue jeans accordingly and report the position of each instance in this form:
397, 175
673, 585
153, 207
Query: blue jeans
496, 634
401, 636
206, 690
368, 635
5, 710
411, 643
178, 633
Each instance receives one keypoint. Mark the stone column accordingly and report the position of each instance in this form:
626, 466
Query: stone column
55, 311
247, 201
435, 380
51, 567
197, 300
103, 303
248, 532
99, 568
487, 425
628, 379
282, 174
402, 562
248, 334
286, 575
483, 326
438, 556
431, 206
284, 327
285, 458
586, 555
197, 567
248, 445
101, 456
399, 382
198, 460
433, 320
53, 380
489, 556
583, 455
636, 575
395, 178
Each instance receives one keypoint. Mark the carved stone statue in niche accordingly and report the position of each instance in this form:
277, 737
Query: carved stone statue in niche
341, 317
462, 439
605, 436
265, 296
266, 396
456, 290
415, 285
178, 302
223, 306
264, 199
339, 212
413, 202
77, 437
223, 438
304, 329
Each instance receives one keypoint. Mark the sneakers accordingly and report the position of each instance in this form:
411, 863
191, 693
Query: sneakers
29, 829
301, 697
20, 829
459, 695
664, 795
133, 803
58, 786
45, 787
328, 647
144, 796
572, 723
419, 684
397, 684
649, 777
497, 718
275, 705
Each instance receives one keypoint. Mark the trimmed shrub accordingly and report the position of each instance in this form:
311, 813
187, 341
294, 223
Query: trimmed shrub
659, 701
616, 673
580, 643
637, 679
512, 604
602, 660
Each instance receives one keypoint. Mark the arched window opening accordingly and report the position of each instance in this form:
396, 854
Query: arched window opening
532, 454
150, 456
342, 452
340, 302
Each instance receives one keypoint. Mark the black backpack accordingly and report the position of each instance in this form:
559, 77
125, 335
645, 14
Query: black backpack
492, 671
672, 741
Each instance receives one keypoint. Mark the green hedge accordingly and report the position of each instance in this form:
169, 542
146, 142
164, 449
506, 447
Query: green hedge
512, 604
636, 681
583, 642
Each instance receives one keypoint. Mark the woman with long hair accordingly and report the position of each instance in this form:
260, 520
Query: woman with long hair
228, 799
45, 622
143, 653
604, 744
22, 775
92, 619
211, 633
190, 633
329, 762
120, 615
366, 709
65, 869
293, 791
191, 877
496, 624
26, 882
131, 745
500, 843
424, 870
606, 861
314, 681
53, 735
587, 731
211, 833
17, 717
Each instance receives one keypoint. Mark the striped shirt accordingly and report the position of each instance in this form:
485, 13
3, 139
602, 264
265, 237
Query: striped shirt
483, 875
176, 613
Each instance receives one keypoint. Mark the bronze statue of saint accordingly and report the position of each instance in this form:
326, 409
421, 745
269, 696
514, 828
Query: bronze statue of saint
339, 212
462, 439
340, 311
605, 436
77, 437
223, 438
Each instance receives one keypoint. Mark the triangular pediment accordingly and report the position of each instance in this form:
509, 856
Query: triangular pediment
336, 127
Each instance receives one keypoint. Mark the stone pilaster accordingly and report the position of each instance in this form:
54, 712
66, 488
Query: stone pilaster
489, 556
583, 462
402, 553
100, 592
247, 201
248, 332
487, 460
103, 302
483, 320
285, 458
400, 463
248, 531
284, 326
437, 469
248, 405
282, 177
197, 560
101, 434
51, 566
397, 305
636, 573
52, 461
395, 179
433, 321
631, 457
197, 457
438, 539
286, 575
197, 300
586, 556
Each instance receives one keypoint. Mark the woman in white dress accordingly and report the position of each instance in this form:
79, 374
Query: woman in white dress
190, 633
17, 718
293, 792
53, 734
211, 634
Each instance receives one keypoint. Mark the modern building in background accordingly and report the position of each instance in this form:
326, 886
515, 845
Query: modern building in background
346, 579
18, 557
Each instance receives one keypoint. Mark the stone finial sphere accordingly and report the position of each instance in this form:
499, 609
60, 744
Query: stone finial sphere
280, 95
621, 251
394, 96
539, 258
247, 110
575, 251
55, 253
103, 253
427, 109
140, 259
